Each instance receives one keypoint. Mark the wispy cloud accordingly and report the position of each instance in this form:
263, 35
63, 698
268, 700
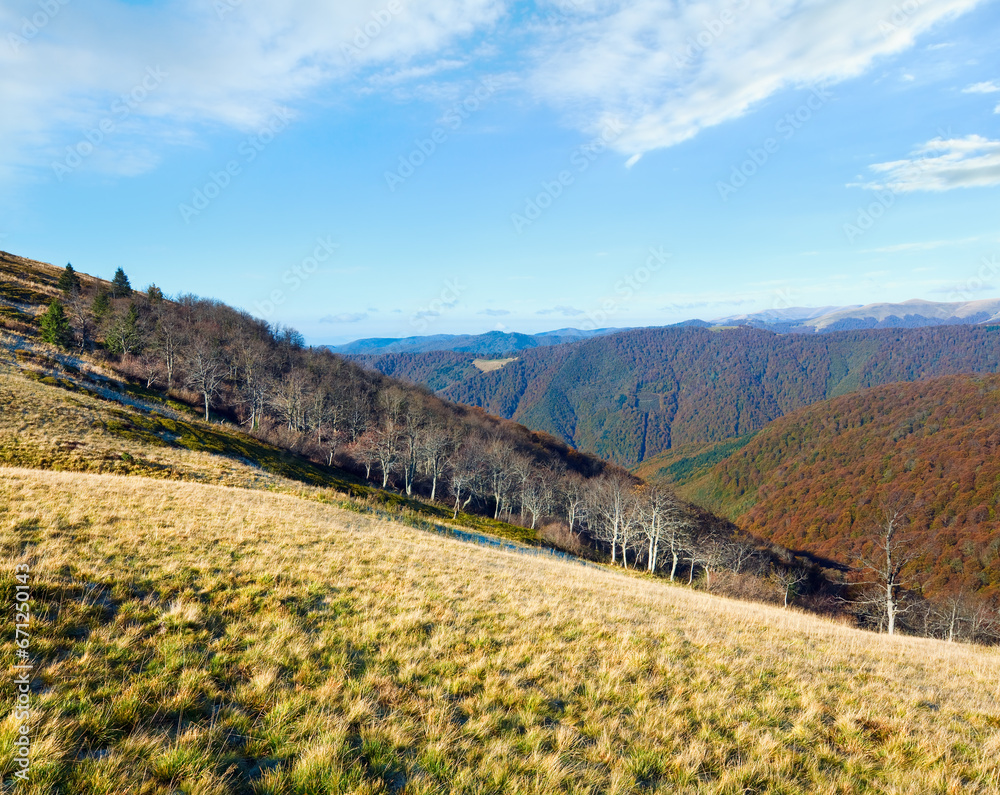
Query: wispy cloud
671, 70
668, 70
564, 311
494, 312
940, 165
227, 63
988, 87
927, 245
345, 317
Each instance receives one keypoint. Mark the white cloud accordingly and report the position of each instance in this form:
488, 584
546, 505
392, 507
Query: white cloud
345, 317
564, 311
673, 69
939, 165
928, 245
228, 63
668, 69
988, 87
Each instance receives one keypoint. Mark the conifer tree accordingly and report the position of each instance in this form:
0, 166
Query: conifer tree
55, 326
69, 281
120, 287
123, 335
101, 306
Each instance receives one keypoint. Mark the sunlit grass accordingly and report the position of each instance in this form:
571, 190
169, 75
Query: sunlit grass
210, 639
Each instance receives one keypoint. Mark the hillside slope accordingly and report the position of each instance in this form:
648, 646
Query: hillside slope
195, 638
492, 343
632, 395
67, 422
808, 480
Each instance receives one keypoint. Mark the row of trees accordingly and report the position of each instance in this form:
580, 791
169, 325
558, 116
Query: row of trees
402, 436
323, 406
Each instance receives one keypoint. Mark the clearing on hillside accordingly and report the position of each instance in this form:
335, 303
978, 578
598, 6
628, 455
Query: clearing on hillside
490, 365
198, 638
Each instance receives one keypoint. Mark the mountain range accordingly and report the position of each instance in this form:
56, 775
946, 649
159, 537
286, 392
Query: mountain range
492, 343
810, 480
908, 314
792, 320
631, 395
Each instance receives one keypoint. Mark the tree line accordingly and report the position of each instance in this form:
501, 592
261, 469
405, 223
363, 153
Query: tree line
400, 436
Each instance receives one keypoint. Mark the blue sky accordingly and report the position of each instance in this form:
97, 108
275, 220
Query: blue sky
389, 168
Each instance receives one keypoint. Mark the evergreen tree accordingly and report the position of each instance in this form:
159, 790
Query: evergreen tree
120, 287
55, 326
154, 294
123, 332
69, 281
101, 306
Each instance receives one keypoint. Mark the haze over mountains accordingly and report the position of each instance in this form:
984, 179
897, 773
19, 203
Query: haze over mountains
492, 343
915, 313
631, 395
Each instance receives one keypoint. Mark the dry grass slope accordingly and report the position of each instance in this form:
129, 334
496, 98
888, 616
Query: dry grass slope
206, 639
50, 422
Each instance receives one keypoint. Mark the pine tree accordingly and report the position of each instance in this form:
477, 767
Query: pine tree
120, 287
154, 294
69, 281
123, 335
55, 326
101, 306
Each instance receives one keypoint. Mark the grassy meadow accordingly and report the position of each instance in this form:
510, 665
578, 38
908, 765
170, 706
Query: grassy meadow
208, 639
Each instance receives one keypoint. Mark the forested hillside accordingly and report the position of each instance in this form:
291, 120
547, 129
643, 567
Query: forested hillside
632, 395
263, 379
813, 480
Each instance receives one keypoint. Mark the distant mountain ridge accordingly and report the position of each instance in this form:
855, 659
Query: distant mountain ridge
492, 343
915, 313
805, 480
631, 395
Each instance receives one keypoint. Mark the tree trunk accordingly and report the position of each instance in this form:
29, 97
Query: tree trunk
890, 610
673, 568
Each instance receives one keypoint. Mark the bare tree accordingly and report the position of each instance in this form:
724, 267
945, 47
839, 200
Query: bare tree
150, 366
411, 435
80, 316
522, 470
364, 450
676, 533
885, 564
739, 552
288, 399
573, 491
168, 342
789, 578
612, 512
206, 370
465, 469
434, 446
656, 511
252, 362
536, 495
498, 463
